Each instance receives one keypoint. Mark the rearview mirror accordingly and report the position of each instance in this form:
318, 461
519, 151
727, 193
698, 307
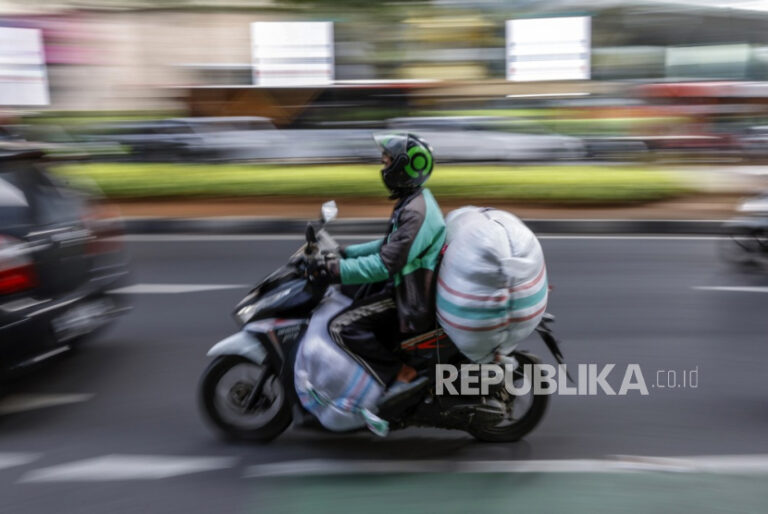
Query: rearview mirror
310, 236
329, 211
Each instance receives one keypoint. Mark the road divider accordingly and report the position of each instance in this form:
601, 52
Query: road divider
552, 184
366, 226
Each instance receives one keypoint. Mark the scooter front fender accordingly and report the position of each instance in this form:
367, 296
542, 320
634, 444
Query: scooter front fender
243, 344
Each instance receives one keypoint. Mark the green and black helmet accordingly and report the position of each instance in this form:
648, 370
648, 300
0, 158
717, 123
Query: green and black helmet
412, 162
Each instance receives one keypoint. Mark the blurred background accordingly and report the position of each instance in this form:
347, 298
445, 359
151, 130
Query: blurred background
640, 86
626, 80
554, 110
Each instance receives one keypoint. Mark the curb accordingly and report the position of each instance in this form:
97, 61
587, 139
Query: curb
254, 225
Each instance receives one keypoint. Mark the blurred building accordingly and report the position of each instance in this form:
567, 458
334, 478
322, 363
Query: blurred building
126, 55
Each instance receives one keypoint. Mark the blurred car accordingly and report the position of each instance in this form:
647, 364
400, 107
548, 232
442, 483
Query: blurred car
56, 141
57, 263
207, 139
155, 140
251, 138
233, 139
490, 138
230, 138
615, 148
754, 142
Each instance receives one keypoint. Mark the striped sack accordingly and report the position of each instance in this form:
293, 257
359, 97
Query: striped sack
330, 384
492, 283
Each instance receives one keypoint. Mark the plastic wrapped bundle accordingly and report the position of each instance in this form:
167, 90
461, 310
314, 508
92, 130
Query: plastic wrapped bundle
331, 385
492, 283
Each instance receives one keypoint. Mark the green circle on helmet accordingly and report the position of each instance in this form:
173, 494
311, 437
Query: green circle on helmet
419, 162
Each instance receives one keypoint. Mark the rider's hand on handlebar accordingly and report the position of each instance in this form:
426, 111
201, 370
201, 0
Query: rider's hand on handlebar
323, 271
300, 261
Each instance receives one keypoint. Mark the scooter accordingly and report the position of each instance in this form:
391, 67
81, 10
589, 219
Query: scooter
247, 392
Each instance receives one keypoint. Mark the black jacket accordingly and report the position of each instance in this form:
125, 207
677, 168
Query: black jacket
408, 255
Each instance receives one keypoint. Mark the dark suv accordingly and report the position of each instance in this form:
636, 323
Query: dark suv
58, 260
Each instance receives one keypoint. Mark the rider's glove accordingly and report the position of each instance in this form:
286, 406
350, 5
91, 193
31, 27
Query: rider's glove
334, 271
323, 272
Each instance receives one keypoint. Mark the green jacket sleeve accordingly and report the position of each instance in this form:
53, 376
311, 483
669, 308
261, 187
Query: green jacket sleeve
363, 270
363, 249
392, 255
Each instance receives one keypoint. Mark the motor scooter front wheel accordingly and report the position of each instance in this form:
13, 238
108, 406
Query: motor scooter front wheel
231, 403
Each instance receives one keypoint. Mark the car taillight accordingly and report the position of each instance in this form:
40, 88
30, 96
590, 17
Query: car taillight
17, 272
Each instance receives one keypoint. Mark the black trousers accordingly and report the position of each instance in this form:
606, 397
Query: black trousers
369, 331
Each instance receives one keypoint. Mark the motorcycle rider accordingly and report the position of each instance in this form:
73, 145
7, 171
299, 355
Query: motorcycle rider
398, 268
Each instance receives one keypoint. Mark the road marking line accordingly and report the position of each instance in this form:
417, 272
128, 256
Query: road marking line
175, 238
127, 467
737, 289
174, 288
329, 467
633, 238
180, 238
738, 464
25, 402
9, 460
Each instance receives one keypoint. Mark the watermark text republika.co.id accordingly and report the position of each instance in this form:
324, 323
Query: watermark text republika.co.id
578, 380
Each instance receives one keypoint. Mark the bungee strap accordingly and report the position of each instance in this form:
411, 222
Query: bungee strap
375, 424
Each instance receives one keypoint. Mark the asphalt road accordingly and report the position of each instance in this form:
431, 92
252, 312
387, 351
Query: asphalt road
114, 426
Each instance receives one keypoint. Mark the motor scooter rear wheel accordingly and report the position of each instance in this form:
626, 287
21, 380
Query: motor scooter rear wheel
523, 413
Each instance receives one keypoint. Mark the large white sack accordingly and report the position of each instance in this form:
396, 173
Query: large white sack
492, 283
331, 385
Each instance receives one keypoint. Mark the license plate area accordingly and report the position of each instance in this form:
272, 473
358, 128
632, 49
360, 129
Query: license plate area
81, 318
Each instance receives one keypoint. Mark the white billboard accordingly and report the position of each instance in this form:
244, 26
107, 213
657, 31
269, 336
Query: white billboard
548, 48
292, 53
23, 78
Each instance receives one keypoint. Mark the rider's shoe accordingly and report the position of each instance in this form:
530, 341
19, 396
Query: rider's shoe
400, 391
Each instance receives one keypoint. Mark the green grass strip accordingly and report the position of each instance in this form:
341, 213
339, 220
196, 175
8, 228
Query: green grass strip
547, 183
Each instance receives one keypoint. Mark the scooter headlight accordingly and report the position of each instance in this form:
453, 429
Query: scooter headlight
246, 313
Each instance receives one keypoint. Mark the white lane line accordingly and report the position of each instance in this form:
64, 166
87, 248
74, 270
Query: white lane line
736, 289
334, 467
176, 238
633, 238
180, 238
25, 402
174, 288
9, 460
128, 467
735, 464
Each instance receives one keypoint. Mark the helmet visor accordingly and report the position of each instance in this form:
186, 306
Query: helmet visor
392, 144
